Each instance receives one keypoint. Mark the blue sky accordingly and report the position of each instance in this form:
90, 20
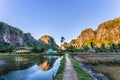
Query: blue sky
58, 17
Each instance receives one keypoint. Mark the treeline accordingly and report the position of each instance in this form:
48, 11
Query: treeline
35, 48
115, 48
5, 47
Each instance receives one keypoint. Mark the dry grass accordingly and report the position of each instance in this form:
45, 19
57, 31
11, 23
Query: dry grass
98, 58
112, 71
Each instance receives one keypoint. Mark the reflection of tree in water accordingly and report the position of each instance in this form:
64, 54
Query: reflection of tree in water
19, 63
8, 66
14, 63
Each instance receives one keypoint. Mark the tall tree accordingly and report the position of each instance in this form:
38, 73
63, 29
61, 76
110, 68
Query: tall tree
103, 49
62, 39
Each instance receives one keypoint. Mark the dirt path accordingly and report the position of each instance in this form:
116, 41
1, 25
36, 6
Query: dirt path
69, 72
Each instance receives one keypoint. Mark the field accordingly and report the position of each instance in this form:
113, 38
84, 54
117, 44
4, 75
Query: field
97, 59
112, 71
108, 64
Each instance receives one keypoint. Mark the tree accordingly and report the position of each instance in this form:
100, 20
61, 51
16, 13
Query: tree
103, 49
5, 47
70, 48
118, 47
92, 45
113, 48
62, 39
85, 48
37, 49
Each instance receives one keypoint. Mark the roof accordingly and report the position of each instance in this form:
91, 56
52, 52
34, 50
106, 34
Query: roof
50, 50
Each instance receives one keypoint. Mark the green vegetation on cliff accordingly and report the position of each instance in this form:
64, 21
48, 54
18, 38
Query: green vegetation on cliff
106, 38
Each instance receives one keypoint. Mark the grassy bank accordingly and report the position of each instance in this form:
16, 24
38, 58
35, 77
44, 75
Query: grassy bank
59, 75
29, 54
80, 73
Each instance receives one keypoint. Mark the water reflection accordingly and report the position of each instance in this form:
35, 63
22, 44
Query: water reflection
36, 72
2, 62
45, 66
9, 63
21, 59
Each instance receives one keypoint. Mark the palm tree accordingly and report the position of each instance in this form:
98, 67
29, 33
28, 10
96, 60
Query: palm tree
62, 40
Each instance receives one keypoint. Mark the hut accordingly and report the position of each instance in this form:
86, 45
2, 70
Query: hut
23, 50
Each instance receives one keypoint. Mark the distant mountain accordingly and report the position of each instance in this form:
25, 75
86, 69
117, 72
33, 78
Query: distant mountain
48, 41
107, 33
11, 35
15, 37
29, 39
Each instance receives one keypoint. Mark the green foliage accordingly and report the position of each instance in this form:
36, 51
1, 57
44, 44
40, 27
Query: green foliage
37, 48
59, 75
113, 48
70, 49
62, 39
5, 47
29, 40
85, 48
80, 73
97, 49
92, 45
103, 48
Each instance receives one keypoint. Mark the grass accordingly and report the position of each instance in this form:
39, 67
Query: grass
112, 71
79, 71
14, 54
98, 59
31, 54
59, 75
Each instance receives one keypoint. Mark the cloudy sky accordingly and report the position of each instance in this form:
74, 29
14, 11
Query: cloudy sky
57, 17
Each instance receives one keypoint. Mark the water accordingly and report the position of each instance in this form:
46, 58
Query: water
9, 63
92, 74
2, 62
33, 73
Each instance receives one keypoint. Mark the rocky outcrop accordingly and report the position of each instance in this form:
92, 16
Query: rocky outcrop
10, 34
48, 42
16, 37
107, 33
29, 39
85, 36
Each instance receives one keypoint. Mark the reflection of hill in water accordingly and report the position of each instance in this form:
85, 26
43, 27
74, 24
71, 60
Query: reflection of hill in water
11, 63
45, 66
34, 73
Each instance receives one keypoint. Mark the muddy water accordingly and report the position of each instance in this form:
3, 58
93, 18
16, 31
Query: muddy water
112, 71
94, 75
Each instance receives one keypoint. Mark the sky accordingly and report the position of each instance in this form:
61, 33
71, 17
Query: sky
58, 17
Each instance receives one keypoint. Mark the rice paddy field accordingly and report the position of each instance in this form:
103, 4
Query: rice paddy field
107, 64
112, 71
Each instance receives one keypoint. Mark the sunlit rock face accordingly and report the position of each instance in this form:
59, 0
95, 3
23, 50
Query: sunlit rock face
48, 41
85, 35
107, 33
